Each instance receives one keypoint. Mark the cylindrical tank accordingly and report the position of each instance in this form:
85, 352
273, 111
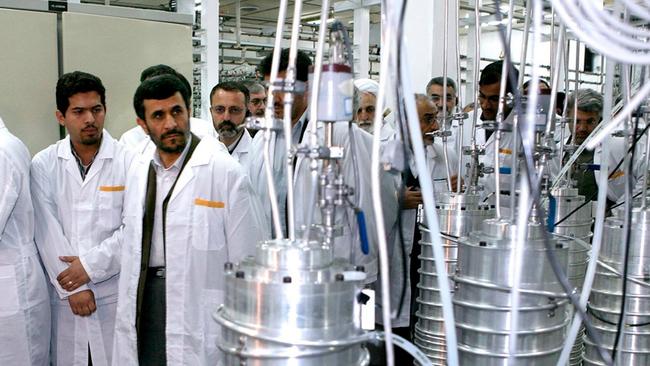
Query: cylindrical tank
576, 221
483, 300
292, 304
459, 214
605, 300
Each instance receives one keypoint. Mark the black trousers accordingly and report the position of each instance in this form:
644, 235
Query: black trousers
151, 339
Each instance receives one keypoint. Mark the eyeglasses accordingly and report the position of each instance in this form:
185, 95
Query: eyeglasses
258, 102
231, 110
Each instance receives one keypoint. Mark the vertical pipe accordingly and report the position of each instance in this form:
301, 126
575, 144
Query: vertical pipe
445, 121
575, 101
288, 103
313, 111
459, 87
527, 130
524, 46
269, 118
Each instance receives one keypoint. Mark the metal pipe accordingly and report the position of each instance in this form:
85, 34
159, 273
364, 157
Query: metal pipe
524, 46
313, 110
459, 101
527, 129
288, 103
555, 81
575, 101
445, 121
268, 122
477, 66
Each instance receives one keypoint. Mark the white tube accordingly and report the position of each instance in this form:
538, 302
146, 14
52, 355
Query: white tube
386, 46
409, 347
313, 113
288, 103
431, 217
528, 140
269, 118
598, 230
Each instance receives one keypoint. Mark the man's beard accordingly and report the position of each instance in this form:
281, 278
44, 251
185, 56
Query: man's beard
227, 129
367, 126
181, 141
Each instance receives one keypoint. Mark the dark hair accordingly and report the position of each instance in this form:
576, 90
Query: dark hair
232, 86
159, 87
440, 81
162, 69
492, 74
302, 64
541, 81
77, 82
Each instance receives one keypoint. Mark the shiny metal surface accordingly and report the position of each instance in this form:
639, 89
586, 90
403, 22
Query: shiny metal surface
483, 302
576, 222
606, 296
459, 215
292, 304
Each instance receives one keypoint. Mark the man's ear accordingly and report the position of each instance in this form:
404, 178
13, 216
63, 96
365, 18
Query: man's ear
60, 117
143, 125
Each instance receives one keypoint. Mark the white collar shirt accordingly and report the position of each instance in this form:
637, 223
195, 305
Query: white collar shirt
165, 178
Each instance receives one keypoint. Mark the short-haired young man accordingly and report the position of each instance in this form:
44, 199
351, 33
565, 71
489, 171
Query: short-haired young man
78, 189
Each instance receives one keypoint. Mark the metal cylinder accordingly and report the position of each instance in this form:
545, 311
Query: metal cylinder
605, 300
573, 219
459, 214
292, 304
483, 298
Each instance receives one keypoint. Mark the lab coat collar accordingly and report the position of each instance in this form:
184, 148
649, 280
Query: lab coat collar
106, 149
2, 124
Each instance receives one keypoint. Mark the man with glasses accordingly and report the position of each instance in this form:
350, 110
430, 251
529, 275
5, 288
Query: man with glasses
435, 91
488, 97
228, 101
257, 102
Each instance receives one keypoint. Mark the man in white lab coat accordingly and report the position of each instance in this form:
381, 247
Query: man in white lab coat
435, 91
78, 191
190, 209
488, 97
228, 107
137, 140
24, 301
365, 100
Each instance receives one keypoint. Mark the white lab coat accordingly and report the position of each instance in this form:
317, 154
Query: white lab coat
80, 218
242, 150
211, 219
134, 137
24, 301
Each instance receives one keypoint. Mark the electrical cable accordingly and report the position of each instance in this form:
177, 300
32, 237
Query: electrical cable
535, 194
628, 232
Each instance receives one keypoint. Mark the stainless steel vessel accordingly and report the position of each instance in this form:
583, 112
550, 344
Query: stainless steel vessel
483, 301
459, 214
576, 223
292, 304
606, 296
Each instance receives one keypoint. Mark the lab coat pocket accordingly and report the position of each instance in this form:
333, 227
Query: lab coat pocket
111, 199
208, 224
9, 300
